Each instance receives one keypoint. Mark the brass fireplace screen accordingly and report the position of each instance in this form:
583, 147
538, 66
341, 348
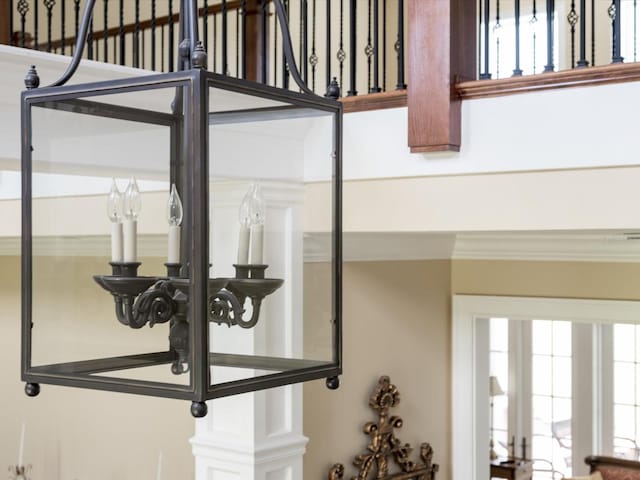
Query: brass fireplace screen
385, 446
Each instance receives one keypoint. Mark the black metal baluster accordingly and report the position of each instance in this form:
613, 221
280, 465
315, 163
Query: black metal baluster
76, 15
635, 29
275, 48
582, 61
49, 6
264, 45
215, 40
171, 45
376, 49
549, 67
153, 35
479, 38
243, 8
341, 55
23, 9
121, 30
328, 44
285, 67
105, 33
517, 71
90, 45
35, 25
11, 29
486, 75
572, 18
136, 36
353, 21
225, 69
615, 13
143, 50
237, 43
593, 33
313, 59
368, 49
401, 85
304, 32
205, 25
533, 23
162, 40
63, 26
384, 45
496, 32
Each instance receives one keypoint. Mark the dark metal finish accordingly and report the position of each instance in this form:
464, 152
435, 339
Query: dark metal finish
90, 40
264, 43
328, 47
549, 67
353, 48
333, 383
186, 300
63, 25
615, 12
385, 447
32, 389
593, 33
313, 59
375, 88
23, 9
199, 409
49, 4
153, 34
225, 65
304, 44
486, 75
243, 13
171, 37
517, 71
205, 25
105, 32
136, 35
572, 18
341, 55
582, 61
401, 85
121, 33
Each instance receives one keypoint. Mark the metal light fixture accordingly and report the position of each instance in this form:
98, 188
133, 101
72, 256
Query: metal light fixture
204, 140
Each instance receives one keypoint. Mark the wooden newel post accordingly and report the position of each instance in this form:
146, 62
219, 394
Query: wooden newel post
5, 25
441, 52
257, 59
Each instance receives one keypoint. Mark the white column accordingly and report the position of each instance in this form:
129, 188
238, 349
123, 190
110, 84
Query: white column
257, 436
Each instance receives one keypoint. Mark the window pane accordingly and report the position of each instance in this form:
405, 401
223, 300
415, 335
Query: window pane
624, 388
562, 377
541, 415
541, 372
562, 338
562, 412
541, 333
499, 328
624, 341
624, 421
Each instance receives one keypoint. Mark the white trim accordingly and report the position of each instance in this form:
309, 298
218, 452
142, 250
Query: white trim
466, 309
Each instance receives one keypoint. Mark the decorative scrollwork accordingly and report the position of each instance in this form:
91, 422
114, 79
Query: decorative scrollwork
49, 4
23, 7
155, 305
384, 444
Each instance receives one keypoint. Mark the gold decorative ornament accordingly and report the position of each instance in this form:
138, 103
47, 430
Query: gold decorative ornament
384, 445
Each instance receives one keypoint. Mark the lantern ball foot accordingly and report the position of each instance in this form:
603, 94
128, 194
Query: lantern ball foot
32, 389
199, 409
333, 383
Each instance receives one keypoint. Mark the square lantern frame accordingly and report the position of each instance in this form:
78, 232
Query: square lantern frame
189, 140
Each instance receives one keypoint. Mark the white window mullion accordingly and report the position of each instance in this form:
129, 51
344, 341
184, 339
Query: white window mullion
582, 404
603, 389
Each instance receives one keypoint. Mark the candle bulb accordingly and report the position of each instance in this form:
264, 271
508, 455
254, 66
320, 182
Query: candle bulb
257, 213
114, 212
174, 218
132, 206
244, 217
21, 450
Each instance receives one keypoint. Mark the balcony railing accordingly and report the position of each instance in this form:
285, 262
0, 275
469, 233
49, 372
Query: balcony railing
360, 42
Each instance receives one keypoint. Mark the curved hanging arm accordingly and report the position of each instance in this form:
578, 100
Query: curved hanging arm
288, 48
81, 41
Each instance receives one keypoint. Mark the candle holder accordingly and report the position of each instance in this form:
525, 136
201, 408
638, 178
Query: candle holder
19, 472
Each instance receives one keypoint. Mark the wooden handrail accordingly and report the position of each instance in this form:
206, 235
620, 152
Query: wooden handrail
144, 25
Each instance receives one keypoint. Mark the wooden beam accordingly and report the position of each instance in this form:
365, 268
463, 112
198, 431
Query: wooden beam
254, 49
5, 27
442, 49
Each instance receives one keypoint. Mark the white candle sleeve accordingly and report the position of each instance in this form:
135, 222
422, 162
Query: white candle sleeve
116, 242
130, 241
243, 245
173, 255
257, 241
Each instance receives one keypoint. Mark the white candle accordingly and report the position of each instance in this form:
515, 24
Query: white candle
243, 245
257, 241
21, 450
130, 240
159, 472
173, 255
116, 242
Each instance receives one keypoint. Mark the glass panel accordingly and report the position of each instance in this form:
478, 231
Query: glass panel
541, 370
624, 340
562, 338
266, 227
499, 339
541, 332
542, 415
624, 391
81, 149
562, 377
624, 421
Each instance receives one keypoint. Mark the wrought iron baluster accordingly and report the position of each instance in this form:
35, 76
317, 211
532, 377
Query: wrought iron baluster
353, 22
205, 25
328, 44
49, 6
304, 34
533, 22
549, 67
263, 41
237, 43
90, 45
143, 50
225, 66
121, 31
23, 9
582, 61
479, 64
401, 85
275, 48
497, 28
115, 48
368, 49
517, 71
11, 30
341, 55
162, 40
215, 40
615, 13
375, 88
486, 75
635, 29
572, 18
153, 35
593, 32
285, 67
384, 45
35, 24
136, 35
243, 9
63, 20
171, 33
76, 16
313, 59
105, 32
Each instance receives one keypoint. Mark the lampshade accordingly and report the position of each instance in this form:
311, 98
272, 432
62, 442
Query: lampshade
495, 389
